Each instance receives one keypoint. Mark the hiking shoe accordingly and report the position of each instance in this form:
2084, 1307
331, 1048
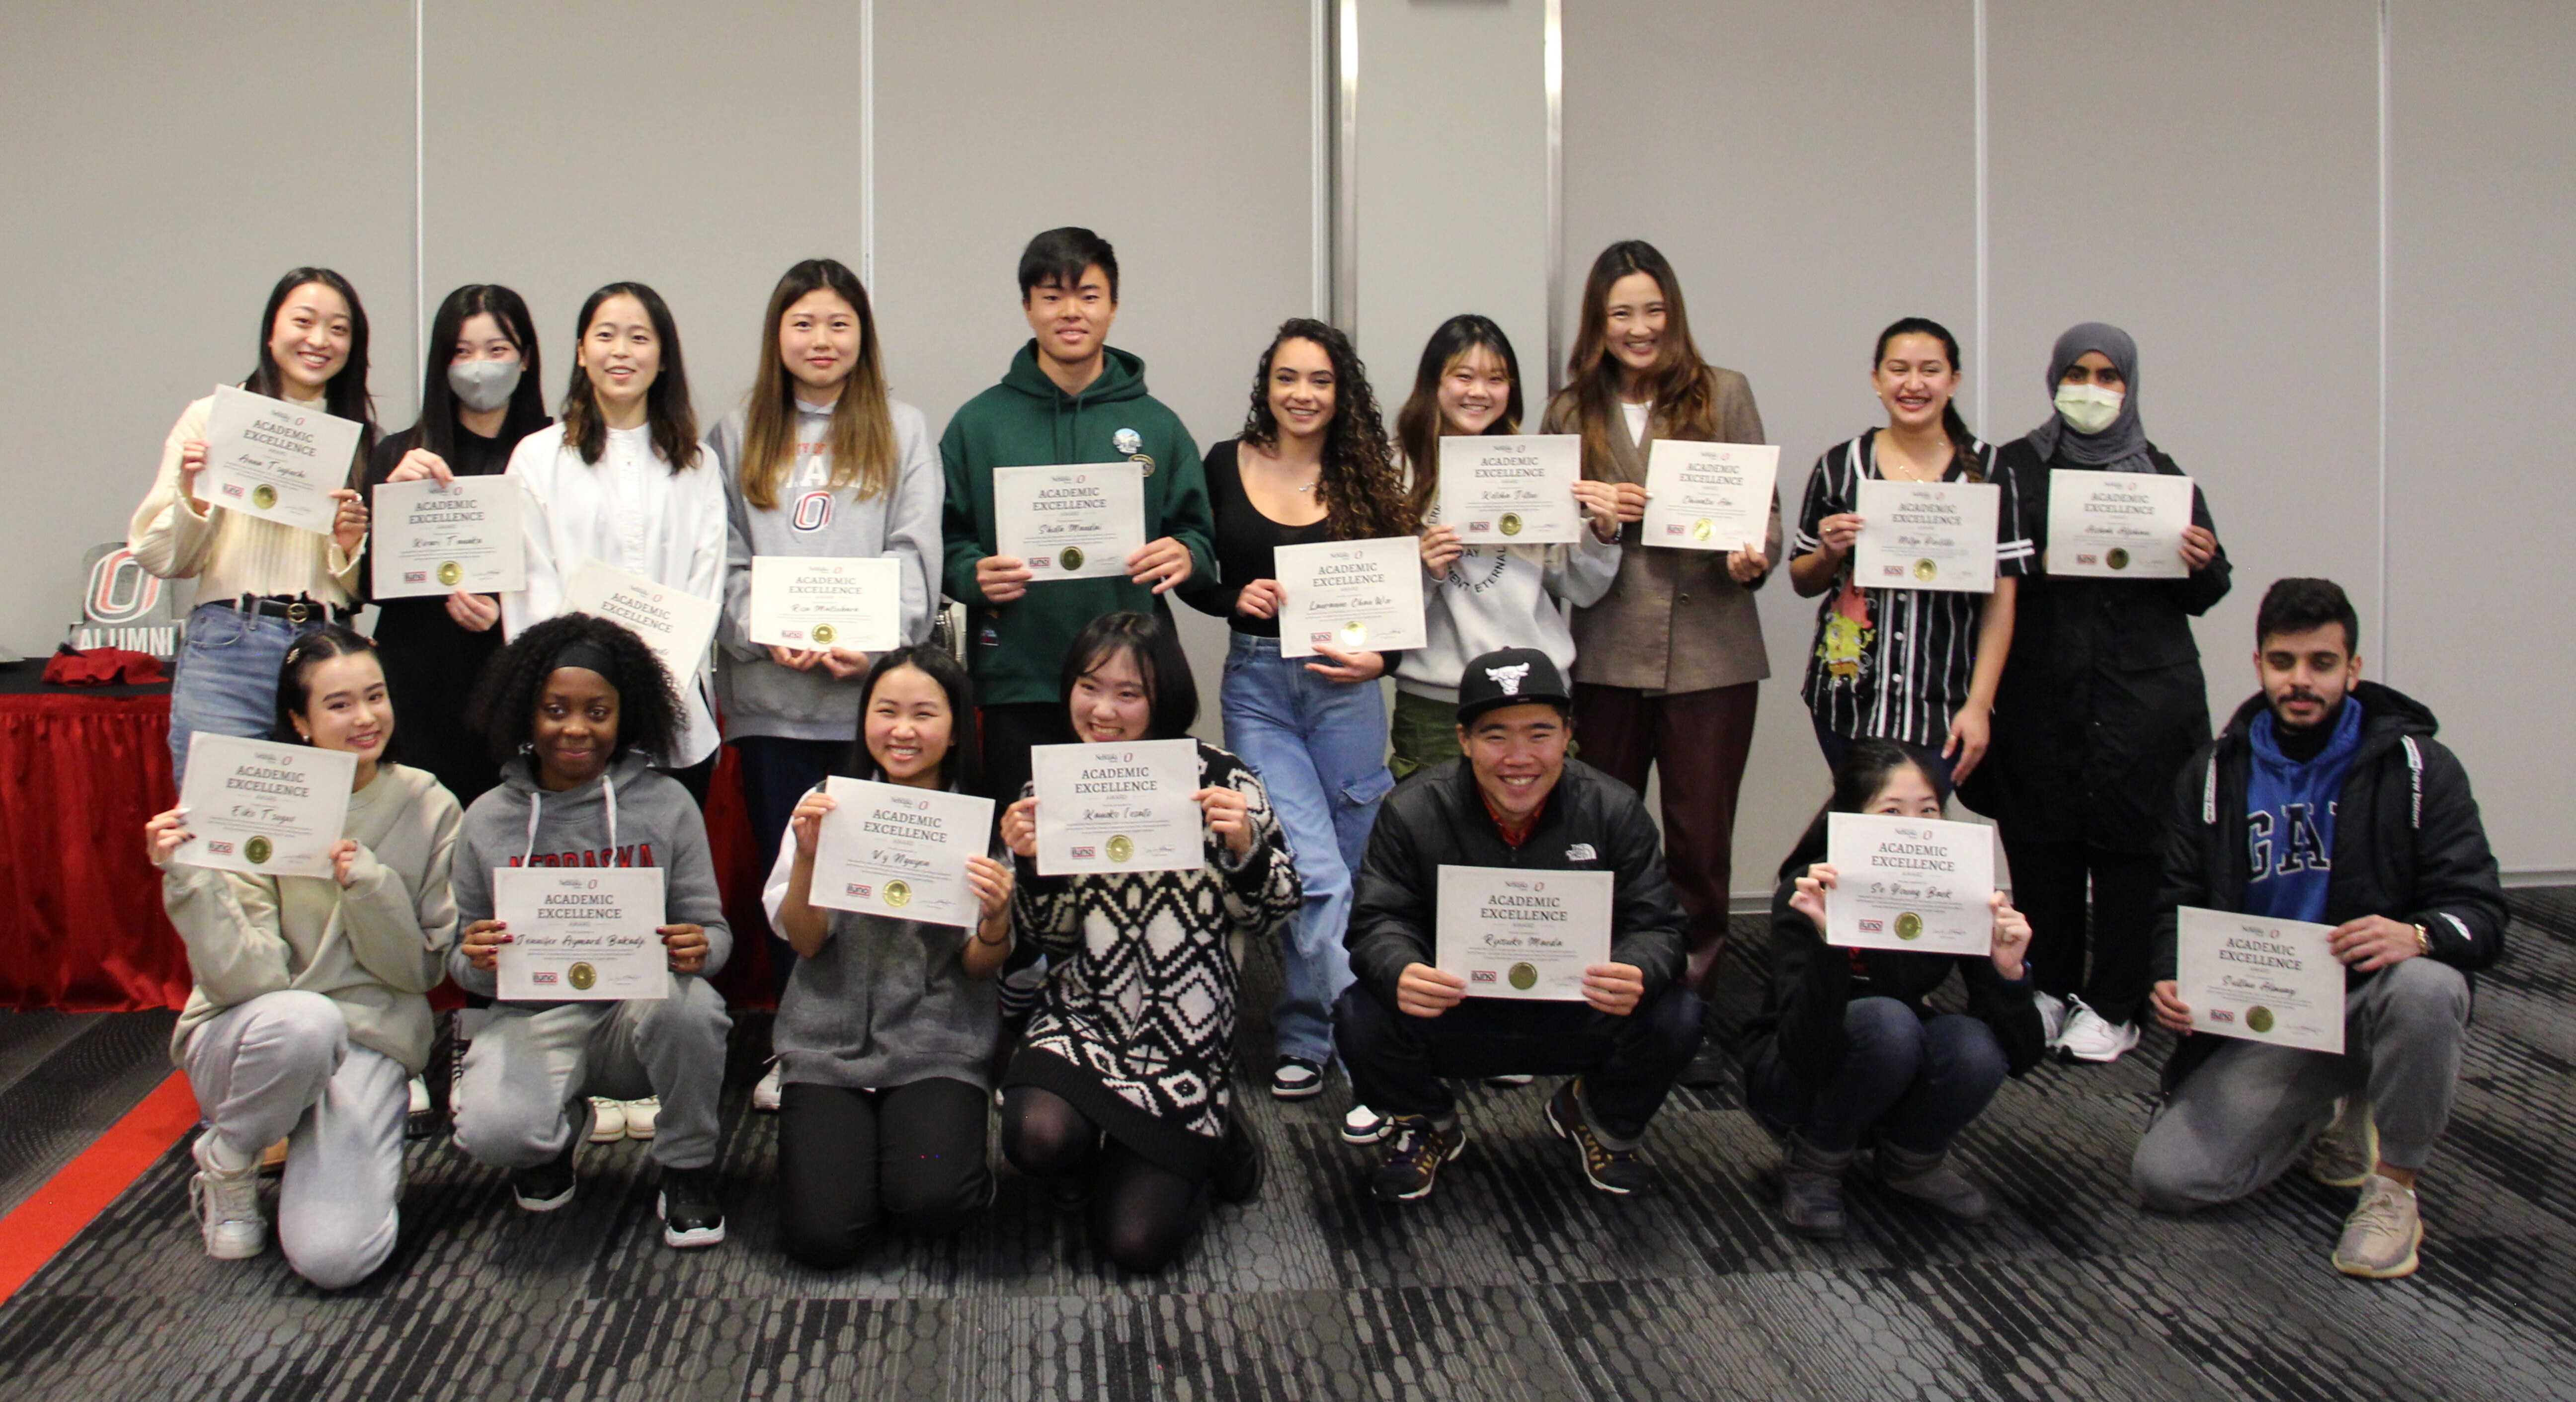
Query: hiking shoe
1609, 1169
2382, 1234
1811, 1190
692, 1215
642, 1117
1929, 1178
1363, 1126
2348, 1150
1240, 1165
548, 1185
226, 1204
607, 1120
1296, 1079
1415, 1149
2052, 1018
1509, 1082
764, 1096
2089, 1036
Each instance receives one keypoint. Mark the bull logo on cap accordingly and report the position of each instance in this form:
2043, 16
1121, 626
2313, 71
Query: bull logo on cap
1508, 678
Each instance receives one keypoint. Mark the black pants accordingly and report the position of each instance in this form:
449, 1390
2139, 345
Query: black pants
1627, 1063
911, 1157
775, 773
697, 777
1009, 731
1142, 1214
2049, 884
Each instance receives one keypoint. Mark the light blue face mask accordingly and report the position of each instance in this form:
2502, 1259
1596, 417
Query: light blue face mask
2088, 408
484, 385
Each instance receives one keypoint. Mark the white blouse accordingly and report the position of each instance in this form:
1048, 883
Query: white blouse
230, 553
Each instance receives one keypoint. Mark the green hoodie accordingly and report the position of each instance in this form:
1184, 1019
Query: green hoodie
1016, 650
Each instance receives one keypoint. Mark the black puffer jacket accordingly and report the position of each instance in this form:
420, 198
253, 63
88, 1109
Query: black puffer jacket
2407, 844
1437, 818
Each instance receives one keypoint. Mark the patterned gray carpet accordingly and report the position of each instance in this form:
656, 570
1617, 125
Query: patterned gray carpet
1513, 1281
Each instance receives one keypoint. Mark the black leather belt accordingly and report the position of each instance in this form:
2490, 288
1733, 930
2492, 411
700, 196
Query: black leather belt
296, 609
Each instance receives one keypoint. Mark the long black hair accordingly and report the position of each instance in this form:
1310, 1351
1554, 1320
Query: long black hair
961, 770
504, 707
1863, 775
673, 419
1418, 425
295, 678
345, 397
436, 430
1952, 422
1159, 660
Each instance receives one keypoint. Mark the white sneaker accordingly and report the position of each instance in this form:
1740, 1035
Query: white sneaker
643, 1116
1363, 1126
764, 1097
2090, 1036
1509, 1082
419, 1096
2052, 1018
227, 1206
607, 1120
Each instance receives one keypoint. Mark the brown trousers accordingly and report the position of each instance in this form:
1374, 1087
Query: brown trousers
1700, 740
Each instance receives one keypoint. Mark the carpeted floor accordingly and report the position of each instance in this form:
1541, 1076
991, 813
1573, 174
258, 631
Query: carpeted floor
1513, 1281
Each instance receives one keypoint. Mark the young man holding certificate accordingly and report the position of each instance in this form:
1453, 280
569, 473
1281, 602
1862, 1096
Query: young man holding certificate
2325, 804
1519, 836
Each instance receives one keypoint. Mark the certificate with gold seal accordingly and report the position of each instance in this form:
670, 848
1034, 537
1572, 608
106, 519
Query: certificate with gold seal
673, 622
2117, 525
276, 460
1356, 595
1116, 808
581, 934
1926, 535
431, 538
1511, 932
262, 807
1709, 496
894, 850
816, 602
1080, 521
1512, 491
2260, 979
1919, 884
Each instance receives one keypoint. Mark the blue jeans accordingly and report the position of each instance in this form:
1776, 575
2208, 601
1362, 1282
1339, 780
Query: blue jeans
1320, 749
1835, 744
226, 682
1916, 1082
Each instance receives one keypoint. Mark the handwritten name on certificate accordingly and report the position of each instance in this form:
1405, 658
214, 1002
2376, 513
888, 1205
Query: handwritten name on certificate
673, 622
1075, 522
1514, 933
262, 807
1118, 807
1512, 491
2117, 525
1926, 535
1910, 883
275, 460
587, 934
1710, 496
888, 849
432, 537
2261, 979
1356, 595
815, 602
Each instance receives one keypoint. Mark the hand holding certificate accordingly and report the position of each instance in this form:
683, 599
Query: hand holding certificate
1512, 491
587, 934
434, 537
1709, 496
1118, 808
1075, 522
894, 850
1355, 595
262, 807
674, 623
2260, 979
1514, 933
1921, 884
818, 602
1926, 535
2117, 525
275, 460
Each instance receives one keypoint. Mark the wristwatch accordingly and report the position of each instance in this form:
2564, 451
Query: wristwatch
2423, 940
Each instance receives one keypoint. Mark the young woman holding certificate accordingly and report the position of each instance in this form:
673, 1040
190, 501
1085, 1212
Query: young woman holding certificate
309, 1016
1311, 465
480, 397
620, 481
1916, 665
260, 583
885, 1033
1846, 1051
1666, 664
1121, 1090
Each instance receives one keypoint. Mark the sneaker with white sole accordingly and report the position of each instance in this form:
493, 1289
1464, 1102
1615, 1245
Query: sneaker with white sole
2089, 1036
2381, 1237
226, 1203
764, 1096
643, 1117
2052, 1018
692, 1213
1509, 1082
1296, 1078
1363, 1126
607, 1120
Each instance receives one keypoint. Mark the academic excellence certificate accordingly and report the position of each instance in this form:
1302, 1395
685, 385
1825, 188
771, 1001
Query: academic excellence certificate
275, 460
1076, 522
812, 603
675, 623
888, 849
1926, 535
1118, 807
2261, 979
1910, 883
1515, 933
261, 807
587, 934
430, 537
2117, 525
1512, 491
1710, 496
1356, 595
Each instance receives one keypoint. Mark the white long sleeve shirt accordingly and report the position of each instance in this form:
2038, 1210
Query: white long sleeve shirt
229, 553
629, 510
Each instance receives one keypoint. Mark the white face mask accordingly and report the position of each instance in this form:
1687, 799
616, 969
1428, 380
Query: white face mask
2088, 408
484, 385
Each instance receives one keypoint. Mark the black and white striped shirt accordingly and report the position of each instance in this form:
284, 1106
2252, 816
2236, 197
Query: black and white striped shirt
1896, 662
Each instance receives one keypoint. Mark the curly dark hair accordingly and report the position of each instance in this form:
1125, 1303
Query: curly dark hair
1363, 493
504, 707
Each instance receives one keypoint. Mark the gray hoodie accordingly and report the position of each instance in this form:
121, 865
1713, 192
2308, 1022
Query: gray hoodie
655, 824
758, 696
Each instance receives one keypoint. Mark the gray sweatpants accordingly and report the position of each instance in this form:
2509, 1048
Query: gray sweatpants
527, 1063
281, 1066
2243, 1116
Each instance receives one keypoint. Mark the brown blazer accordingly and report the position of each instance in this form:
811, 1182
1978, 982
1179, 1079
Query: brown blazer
1674, 620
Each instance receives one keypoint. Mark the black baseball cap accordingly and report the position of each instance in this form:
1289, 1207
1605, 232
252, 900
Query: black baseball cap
1512, 676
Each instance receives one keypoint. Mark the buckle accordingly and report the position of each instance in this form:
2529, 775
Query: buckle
298, 611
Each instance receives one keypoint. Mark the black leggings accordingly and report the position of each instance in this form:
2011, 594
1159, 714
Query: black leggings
1141, 1215
911, 1156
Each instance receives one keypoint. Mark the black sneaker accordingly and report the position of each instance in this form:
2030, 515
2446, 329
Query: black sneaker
691, 1214
1611, 1170
1240, 1165
549, 1185
1296, 1078
1415, 1149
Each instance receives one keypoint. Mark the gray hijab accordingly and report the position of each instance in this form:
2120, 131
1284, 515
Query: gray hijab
2123, 446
